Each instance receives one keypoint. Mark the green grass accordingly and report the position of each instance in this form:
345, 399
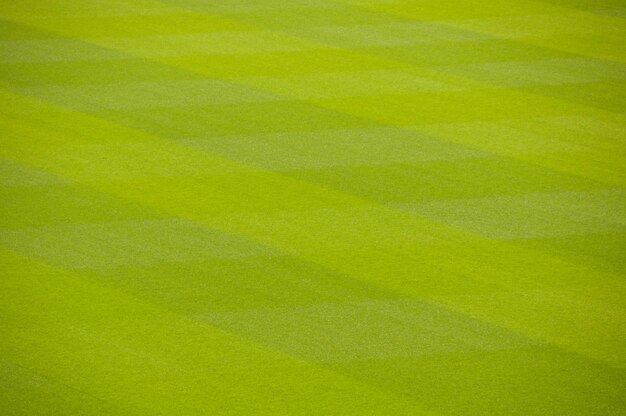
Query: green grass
313, 207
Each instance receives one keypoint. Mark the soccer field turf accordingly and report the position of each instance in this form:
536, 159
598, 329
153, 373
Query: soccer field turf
313, 207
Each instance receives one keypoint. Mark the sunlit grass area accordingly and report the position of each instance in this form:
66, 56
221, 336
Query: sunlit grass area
313, 207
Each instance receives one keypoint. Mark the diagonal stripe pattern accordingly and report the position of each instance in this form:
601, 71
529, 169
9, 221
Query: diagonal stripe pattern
350, 207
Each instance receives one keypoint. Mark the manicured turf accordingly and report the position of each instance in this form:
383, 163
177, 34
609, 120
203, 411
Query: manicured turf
313, 207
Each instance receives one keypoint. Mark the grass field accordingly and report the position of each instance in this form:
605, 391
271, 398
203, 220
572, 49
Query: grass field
313, 207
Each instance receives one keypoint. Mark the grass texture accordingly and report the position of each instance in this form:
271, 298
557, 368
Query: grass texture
313, 207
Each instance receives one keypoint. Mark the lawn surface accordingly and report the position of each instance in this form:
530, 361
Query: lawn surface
313, 207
